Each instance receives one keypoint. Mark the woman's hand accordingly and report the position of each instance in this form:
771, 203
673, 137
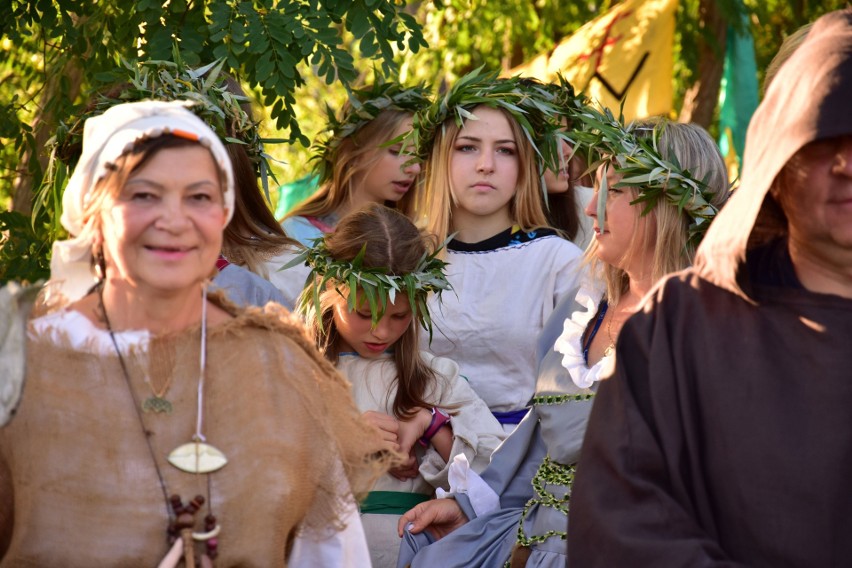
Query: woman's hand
388, 428
439, 516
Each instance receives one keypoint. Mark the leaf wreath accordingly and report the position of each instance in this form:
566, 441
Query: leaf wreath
172, 80
377, 284
609, 142
536, 107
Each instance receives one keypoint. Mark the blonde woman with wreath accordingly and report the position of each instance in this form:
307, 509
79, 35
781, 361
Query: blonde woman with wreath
361, 160
529, 479
487, 143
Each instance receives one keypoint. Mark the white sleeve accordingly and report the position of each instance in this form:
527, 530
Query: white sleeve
476, 433
345, 548
322, 545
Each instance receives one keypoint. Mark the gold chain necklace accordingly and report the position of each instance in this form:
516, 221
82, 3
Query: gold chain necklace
157, 402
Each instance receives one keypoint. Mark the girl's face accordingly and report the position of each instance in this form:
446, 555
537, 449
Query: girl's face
163, 231
387, 177
357, 333
484, 165
624, 225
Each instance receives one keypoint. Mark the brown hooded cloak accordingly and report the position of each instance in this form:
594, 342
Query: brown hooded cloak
724, 437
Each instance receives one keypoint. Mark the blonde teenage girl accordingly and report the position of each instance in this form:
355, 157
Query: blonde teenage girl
371, 334
361, 160
507, 267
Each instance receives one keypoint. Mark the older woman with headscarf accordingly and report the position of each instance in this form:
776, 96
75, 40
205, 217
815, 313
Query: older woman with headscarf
724, 437
159, 424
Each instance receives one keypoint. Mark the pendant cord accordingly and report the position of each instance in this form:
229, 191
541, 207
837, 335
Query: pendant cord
136, 406
202, 363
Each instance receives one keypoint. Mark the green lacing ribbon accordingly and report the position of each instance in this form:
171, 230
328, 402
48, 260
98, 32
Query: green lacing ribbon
552, 473
561, 398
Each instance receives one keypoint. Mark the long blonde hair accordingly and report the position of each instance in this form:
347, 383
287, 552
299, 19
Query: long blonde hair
353, 157
434, 205
696, 152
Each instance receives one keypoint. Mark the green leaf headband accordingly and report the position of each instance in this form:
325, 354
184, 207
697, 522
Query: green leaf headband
535, 107
639, 161
364, 106
214, 103
378, 286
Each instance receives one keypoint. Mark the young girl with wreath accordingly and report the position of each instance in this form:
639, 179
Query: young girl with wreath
364, 306
641, 235
361, 160
488, 142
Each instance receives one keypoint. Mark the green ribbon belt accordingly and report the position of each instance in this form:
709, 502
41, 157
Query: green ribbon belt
390, 502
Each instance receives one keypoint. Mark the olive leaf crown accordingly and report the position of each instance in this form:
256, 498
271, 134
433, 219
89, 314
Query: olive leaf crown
173, 80
538, 108
377, 284
638, 160
364, 106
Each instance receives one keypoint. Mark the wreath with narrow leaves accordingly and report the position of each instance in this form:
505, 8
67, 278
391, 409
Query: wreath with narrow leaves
377, 285
173, 80
638, 160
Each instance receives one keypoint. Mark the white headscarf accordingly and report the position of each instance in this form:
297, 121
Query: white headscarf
106, 138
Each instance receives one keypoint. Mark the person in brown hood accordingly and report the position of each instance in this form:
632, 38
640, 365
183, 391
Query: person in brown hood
724, 435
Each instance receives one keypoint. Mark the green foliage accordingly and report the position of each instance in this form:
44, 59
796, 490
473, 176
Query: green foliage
23, 248
638, 160
377, 284
497, 34
59, 52
294, 55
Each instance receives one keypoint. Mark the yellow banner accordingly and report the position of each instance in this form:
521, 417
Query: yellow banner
624, 54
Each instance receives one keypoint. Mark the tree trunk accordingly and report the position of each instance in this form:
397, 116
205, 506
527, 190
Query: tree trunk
44, 126
699, 101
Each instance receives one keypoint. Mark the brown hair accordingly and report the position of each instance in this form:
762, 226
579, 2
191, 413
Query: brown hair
253, 236
526, 207
352, 158
393, 243
562, 211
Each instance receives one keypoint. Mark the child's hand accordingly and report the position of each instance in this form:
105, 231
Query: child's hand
409, 469
388, 428
413, 429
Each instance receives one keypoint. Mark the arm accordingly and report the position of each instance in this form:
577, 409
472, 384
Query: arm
413, 430
474, 432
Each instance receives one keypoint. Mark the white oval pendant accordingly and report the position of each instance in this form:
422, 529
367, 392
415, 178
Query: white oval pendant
197, 457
